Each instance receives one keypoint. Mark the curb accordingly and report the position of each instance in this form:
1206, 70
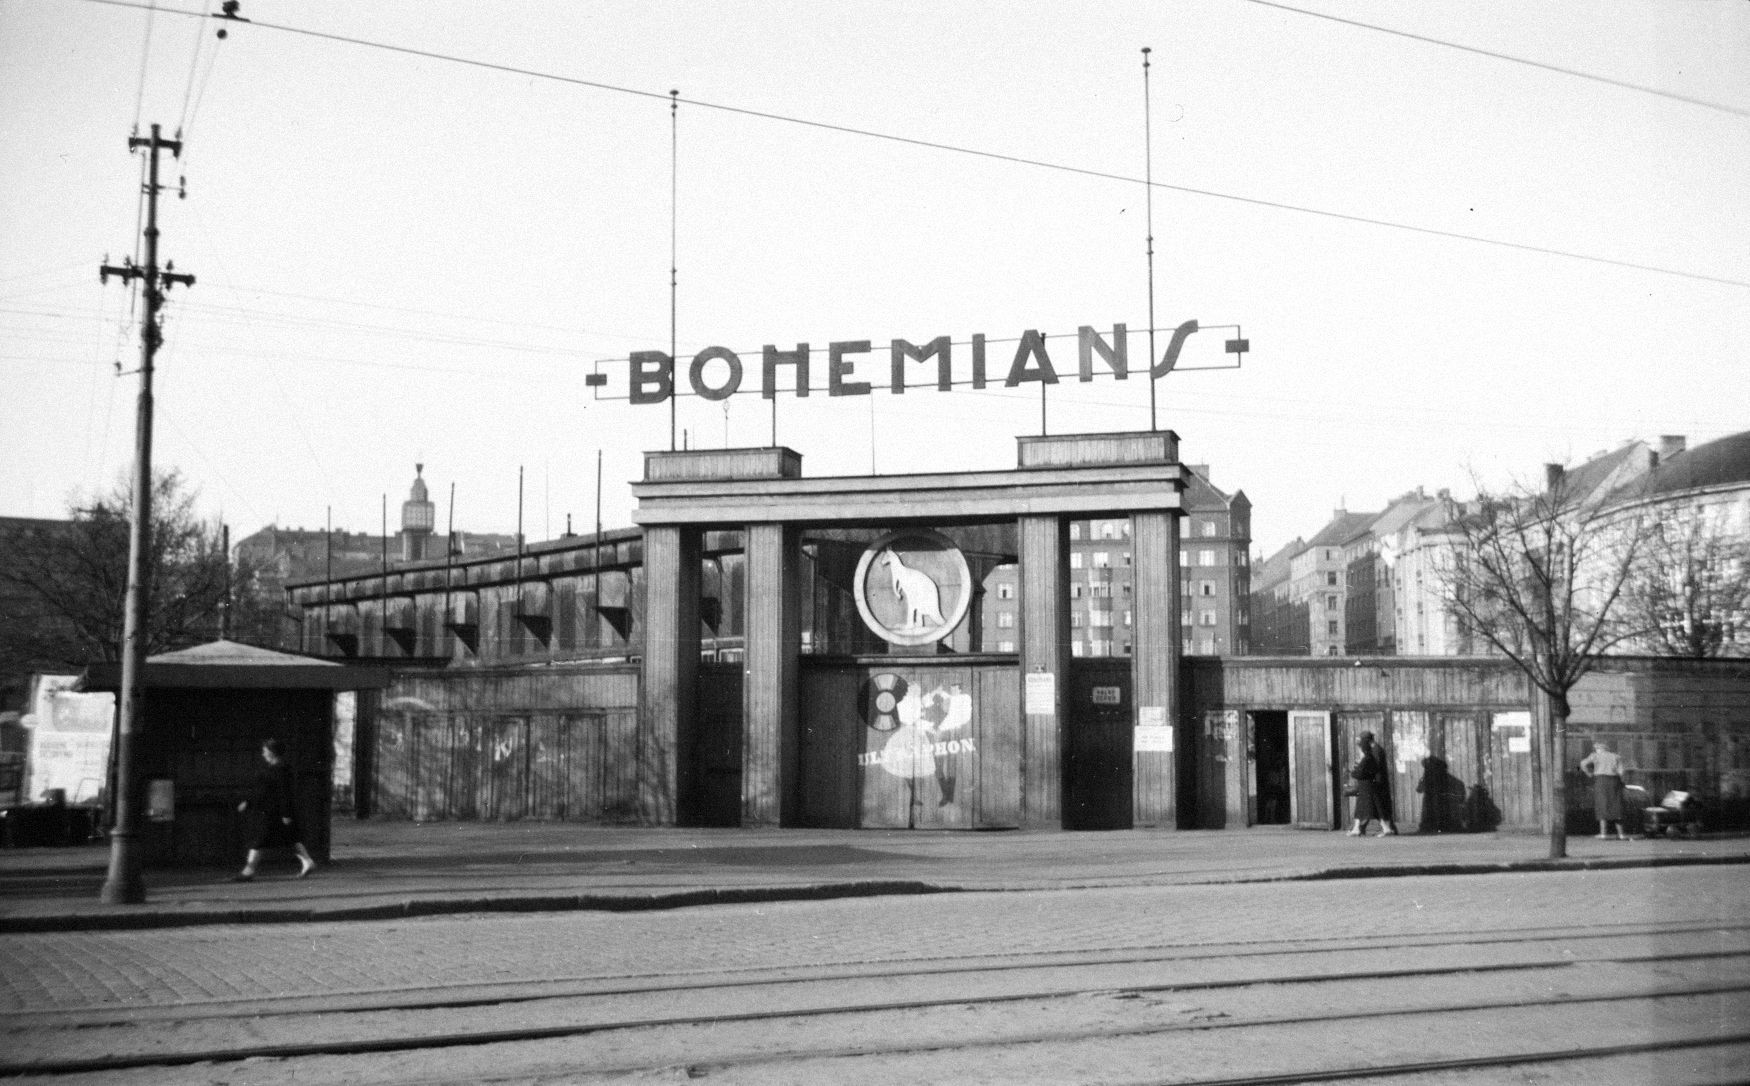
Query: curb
681, 899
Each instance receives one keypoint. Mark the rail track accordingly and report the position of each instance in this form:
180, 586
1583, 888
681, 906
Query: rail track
1584, 1003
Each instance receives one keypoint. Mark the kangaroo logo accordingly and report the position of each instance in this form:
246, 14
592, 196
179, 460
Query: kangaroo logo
913, 587
923, 602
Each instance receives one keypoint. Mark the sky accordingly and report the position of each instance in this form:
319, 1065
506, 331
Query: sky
1462, 239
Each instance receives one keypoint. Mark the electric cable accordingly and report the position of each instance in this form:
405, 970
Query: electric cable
145, 58
1618, 83
200, 36
997, 156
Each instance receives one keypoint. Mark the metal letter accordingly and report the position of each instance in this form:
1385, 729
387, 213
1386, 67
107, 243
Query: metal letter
1116, 355
1171, 358
775, 358
837, 368
705, 358
652, 368
942, 348
1032, 345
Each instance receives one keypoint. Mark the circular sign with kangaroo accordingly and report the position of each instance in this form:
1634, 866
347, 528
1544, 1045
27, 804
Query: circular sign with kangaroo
913, 586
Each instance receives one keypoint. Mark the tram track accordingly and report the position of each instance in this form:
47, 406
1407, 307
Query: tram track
820, 1003
459, 996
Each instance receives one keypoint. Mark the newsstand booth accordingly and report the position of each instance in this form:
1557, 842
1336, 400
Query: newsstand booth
207, 711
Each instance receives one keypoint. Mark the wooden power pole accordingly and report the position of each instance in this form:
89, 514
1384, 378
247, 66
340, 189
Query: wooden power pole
123, 885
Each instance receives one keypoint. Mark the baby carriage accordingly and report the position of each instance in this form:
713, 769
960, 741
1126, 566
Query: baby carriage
1677, 815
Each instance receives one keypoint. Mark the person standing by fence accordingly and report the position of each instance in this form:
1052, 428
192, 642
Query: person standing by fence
1605, 769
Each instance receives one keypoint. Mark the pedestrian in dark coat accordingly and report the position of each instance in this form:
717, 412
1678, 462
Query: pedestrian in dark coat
273, 812
1372, 789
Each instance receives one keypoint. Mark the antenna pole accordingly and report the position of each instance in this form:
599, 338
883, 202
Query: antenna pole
1149, 202
674, 146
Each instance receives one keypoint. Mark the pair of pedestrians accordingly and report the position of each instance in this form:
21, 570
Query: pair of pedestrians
1372, 790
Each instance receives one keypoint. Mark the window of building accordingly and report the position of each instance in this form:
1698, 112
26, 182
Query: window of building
1075, 620
1206, 588
1126, 557
1108, 529
1126, 588
1206, 646
1075, 590
1102, 560
1075, 560
1101, 591
1005, 591
1331, 578
1005, 620
1331, 629
1005, 646
1127, 618
1208, 558
1127, 649
1100, 618
1207, 529
1184, 558
1075, 529
1330, 603
1206, 618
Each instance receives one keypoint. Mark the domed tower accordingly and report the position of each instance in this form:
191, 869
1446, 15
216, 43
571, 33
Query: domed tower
418, 515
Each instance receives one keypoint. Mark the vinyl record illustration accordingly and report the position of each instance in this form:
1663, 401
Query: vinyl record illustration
879, 699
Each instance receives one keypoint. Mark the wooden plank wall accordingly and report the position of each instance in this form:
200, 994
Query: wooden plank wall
508, 745
860, 769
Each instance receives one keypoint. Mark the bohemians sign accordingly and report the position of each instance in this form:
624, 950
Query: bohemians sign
854, 367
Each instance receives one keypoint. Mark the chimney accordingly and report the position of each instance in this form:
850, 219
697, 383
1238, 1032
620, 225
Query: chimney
1552, 476
1670, 445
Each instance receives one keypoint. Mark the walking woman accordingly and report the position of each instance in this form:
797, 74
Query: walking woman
1605, 769
275, 813
1372, 789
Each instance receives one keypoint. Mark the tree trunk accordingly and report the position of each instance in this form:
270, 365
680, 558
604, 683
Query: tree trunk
1555, 776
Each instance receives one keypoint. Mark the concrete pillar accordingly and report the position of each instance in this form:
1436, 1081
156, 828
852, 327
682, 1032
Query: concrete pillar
1158, 646
771, 690
1044, 591
667, 716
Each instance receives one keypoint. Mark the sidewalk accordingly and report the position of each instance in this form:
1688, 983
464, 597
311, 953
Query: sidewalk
383, 870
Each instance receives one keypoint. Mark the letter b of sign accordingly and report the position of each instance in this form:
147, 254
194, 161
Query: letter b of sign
652, 377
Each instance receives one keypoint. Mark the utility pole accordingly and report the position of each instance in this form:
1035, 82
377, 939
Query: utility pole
123, 885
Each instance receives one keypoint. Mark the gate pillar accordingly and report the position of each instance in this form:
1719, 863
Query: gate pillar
1154, 543
770, 692
1044, 665
667, 710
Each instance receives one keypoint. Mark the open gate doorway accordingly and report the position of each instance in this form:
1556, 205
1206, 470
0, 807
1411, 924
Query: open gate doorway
1270, 774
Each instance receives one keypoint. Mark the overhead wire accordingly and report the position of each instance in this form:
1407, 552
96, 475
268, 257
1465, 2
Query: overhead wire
200, 36
534, 73
1618, 83
145, 61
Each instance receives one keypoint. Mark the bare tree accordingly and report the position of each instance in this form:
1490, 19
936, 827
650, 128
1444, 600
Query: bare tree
74, 577
1539, 578
1690, 592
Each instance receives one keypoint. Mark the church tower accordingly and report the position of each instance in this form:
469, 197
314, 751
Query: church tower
418, 515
